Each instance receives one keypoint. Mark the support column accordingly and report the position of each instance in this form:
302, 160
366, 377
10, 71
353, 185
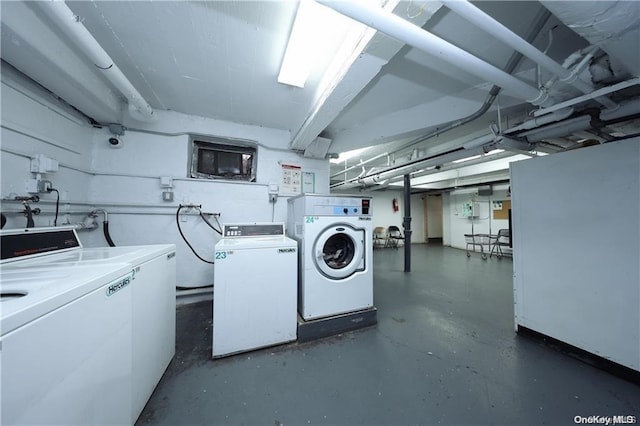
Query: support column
406, 224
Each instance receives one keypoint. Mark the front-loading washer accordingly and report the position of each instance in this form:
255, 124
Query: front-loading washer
335, 271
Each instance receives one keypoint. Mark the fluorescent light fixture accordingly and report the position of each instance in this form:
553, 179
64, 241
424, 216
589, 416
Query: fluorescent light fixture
322, 37
462, 160
494, 151
299, 56
344, 156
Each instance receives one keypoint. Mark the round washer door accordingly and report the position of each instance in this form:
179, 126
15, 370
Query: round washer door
339, 251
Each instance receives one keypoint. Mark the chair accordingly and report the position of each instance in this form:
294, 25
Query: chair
501, 240
394, 236
379, 237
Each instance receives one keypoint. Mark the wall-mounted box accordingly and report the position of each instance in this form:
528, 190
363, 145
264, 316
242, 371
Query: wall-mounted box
471, 209
43, 164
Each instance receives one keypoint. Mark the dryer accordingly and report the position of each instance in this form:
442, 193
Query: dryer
334, 235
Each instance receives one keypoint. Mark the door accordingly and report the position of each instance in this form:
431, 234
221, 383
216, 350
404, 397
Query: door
339, 251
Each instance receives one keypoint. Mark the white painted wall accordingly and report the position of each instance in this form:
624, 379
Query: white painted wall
125, 181
130, 176
383, 214
455, 225
34, 123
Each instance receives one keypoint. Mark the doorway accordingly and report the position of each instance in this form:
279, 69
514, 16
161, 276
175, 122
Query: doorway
433, 218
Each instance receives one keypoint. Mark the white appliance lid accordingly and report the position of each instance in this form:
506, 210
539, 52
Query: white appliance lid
133, 255
255, 243
47, 287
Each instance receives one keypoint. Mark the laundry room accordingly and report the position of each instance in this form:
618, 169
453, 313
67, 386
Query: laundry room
319, 212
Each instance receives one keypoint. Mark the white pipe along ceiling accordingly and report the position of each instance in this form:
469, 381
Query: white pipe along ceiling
495, 28
527, 133
412, 35
70, 23
428, 83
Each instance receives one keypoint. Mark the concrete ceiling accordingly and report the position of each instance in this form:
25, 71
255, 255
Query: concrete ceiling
220, 59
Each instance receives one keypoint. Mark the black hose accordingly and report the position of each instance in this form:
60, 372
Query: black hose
30, 222
204, 218
55, 220
105, 229
194, 288
185, 239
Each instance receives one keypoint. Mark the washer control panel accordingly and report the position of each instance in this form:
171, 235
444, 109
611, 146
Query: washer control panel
240, 230
342, 206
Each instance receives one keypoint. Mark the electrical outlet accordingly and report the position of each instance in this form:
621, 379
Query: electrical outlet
45, 186
167, 196
273, 192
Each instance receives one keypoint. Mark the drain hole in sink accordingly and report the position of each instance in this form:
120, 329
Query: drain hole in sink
11, 295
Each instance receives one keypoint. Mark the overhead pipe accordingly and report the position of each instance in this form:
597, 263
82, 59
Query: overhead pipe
361, 163
608, 89
587, 55
610, 25
71, 24
408, 33
534, 130
409, 168
515, 58
626, 109
485, 22
477, 146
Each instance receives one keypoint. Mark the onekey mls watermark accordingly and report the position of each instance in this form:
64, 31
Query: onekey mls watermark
605, 420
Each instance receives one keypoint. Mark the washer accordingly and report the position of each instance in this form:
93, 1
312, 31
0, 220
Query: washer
255, 290
335, 235
67, 301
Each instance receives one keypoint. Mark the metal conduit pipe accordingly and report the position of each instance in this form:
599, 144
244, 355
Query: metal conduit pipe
406, 32
541, 121
483, 144
410, 168
476, 146
628, 108
560, 129
477, 17
512, 63
361, 163
70, 23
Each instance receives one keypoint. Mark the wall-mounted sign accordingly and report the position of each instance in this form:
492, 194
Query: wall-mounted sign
308, 182
291, 179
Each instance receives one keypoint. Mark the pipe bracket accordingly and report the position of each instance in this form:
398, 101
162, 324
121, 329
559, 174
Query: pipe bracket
543, 97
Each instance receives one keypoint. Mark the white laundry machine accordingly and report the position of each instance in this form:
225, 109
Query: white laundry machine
255, 288
335, 235
86, 333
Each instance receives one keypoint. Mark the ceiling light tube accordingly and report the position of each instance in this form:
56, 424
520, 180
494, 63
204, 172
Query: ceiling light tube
297, 61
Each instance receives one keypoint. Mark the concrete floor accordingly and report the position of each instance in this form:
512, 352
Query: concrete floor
444, 352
